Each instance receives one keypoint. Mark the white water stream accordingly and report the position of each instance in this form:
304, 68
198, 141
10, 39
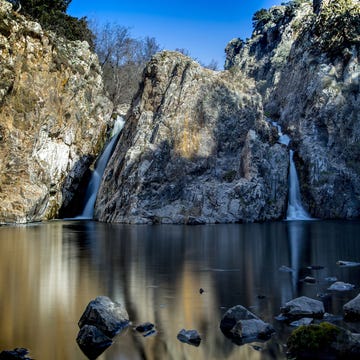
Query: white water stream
95, 180
295, 209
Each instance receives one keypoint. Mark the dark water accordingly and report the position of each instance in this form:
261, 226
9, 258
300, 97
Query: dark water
49, 272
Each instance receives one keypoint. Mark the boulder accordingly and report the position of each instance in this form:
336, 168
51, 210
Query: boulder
341, 286
144, 327
190, 337
108, 316
352, 309
303, 307
241, 326
92, 341
324, 341
18, 353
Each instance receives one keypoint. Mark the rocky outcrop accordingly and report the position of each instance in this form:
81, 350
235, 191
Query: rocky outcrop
53, 114
195, 149
307, 70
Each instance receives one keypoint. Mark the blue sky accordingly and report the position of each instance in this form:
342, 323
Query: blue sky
202, 27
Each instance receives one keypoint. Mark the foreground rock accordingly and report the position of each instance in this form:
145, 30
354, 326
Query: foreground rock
242, 326
195, 149
352, 309
92, 341
54, 117
108, 316
190, 337
303, 307
100, 322
18, 353
324, 341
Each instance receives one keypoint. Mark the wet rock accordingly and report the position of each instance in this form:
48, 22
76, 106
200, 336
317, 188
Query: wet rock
315, 267
18, 353
302, 321
352, 309
309, 280
303, 307
191, 337
54, 116
144, 327
324, 341
241, 326
284, 268
341, 286
108, 316
347, 263
92, 341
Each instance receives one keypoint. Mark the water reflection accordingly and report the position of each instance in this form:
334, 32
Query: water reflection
49, 272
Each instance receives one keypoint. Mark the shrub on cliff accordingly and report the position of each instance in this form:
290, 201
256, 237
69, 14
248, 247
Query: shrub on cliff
51, 14
337, 26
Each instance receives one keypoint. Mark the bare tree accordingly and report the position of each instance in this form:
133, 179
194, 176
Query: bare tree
122, 59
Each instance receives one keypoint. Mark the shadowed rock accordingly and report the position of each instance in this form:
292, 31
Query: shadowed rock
303, 307
190, 337
18, 353
241, 326
352, 309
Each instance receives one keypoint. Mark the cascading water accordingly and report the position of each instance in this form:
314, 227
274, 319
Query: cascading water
295, 209
95, 180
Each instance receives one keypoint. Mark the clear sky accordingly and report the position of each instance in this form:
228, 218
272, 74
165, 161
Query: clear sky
202, 27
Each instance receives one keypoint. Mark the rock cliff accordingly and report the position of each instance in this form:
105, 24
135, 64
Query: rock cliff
306, 66
195, 149
53, 118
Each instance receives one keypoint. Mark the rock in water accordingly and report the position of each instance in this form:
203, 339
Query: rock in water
191, 337
108, 316
341, 286
101, 321
241, 326
92, 341
54, 117
195, 149
352, 309
303, 307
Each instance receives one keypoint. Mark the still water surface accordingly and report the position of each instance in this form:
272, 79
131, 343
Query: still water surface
50, 271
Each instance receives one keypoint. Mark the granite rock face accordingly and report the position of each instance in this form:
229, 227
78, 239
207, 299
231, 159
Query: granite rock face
313, 93
53, 118
195, 149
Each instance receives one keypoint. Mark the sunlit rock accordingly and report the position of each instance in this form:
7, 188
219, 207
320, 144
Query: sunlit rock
54, 118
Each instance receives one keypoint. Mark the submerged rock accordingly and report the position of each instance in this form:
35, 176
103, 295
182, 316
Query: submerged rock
241, 326
352, 309
18, 353
347, 263
341, 286
303, 307
190, 337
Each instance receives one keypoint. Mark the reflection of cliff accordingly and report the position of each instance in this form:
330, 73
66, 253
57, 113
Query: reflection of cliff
49, 272
44, 289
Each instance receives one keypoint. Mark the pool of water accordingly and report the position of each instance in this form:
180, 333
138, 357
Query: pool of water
50, 271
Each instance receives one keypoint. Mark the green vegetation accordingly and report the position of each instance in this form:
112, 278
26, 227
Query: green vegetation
337, 27
312, 339
51, 14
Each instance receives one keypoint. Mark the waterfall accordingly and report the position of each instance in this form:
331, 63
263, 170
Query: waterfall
295, 209
95, 180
